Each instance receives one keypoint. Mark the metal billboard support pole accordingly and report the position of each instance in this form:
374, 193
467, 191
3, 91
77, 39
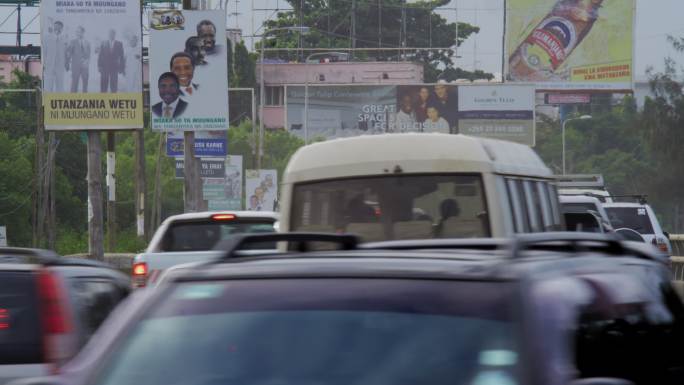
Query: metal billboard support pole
192, 180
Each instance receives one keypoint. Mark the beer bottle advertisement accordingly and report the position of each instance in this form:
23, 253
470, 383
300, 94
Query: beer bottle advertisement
570, 44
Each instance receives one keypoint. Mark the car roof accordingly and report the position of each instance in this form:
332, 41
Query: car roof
397, 264
578, 199
208, 214
369, 155
625, 204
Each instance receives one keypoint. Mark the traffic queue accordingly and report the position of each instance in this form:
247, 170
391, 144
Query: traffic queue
386, 263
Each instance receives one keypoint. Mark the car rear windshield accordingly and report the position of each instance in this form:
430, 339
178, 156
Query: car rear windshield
203, 235
635, 218
578, 207
394, 207
20, 330
352, 331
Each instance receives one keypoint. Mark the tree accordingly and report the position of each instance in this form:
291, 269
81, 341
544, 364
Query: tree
378, 24
662, 121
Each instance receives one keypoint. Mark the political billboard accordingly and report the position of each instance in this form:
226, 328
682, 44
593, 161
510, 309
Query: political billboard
570, 44
225, 194
92, 65
210, 168
188, 67
504, 112
207, 144
261, 190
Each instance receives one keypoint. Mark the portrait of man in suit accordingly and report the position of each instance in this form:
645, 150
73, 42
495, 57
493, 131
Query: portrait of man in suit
171, 106
55, 58
110, 63
78, 60
206, 32
183, 66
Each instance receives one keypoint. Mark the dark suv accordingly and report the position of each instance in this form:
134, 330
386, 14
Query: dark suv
49, 307
555, 308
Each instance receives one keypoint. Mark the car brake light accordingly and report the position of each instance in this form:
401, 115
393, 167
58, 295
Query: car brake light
53, 304
223, 217
140, 269
56, 321
139, 274
4, 319
662, 246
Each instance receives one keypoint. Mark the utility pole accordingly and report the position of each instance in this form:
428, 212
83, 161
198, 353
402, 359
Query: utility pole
140, 182
193, 182
38, 209
111, 191
95, 225
353, 26
49, 190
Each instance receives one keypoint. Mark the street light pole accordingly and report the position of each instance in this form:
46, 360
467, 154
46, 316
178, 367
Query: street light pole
583, 117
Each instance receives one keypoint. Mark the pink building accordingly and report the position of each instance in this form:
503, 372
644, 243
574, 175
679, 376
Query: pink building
8, 63
277, 76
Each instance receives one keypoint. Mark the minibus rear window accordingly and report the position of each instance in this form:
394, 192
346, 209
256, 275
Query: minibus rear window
394, 207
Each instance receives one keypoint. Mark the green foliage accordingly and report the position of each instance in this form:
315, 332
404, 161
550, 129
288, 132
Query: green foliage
330, 23
16, 187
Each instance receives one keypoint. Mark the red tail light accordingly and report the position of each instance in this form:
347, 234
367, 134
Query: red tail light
139, 274
140, 269
223, 217
4, 319
56, 320
53, 305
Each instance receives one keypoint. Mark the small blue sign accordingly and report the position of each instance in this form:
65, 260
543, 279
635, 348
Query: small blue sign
204, 147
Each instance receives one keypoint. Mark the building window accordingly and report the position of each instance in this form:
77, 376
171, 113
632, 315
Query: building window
275, 96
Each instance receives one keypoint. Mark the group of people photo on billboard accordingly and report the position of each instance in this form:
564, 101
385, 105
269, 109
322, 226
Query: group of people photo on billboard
74, 54
188, 65
427, 108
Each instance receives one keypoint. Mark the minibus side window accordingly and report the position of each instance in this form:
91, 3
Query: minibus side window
533, 207
519, 208
555, 209
547, 216
506, 205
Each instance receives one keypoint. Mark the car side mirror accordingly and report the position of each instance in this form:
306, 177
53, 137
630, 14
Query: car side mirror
601, 381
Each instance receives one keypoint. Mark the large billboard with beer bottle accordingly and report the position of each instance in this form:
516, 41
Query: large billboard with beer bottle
570, 44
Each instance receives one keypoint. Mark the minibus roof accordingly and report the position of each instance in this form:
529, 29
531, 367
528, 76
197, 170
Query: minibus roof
412, 154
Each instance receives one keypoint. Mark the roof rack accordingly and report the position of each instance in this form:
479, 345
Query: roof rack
552, 241
642, 199
594, 181
303, 241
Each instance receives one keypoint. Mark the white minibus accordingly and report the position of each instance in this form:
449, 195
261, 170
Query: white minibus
418, 186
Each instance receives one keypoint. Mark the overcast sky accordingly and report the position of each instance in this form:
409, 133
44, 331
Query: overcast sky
655, 20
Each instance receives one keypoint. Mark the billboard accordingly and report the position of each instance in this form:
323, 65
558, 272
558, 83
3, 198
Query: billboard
336, 111
225, 194
340, 111
92, 65
570, 44
210, 168
498, 111
261, 190
188, 67
207, 144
